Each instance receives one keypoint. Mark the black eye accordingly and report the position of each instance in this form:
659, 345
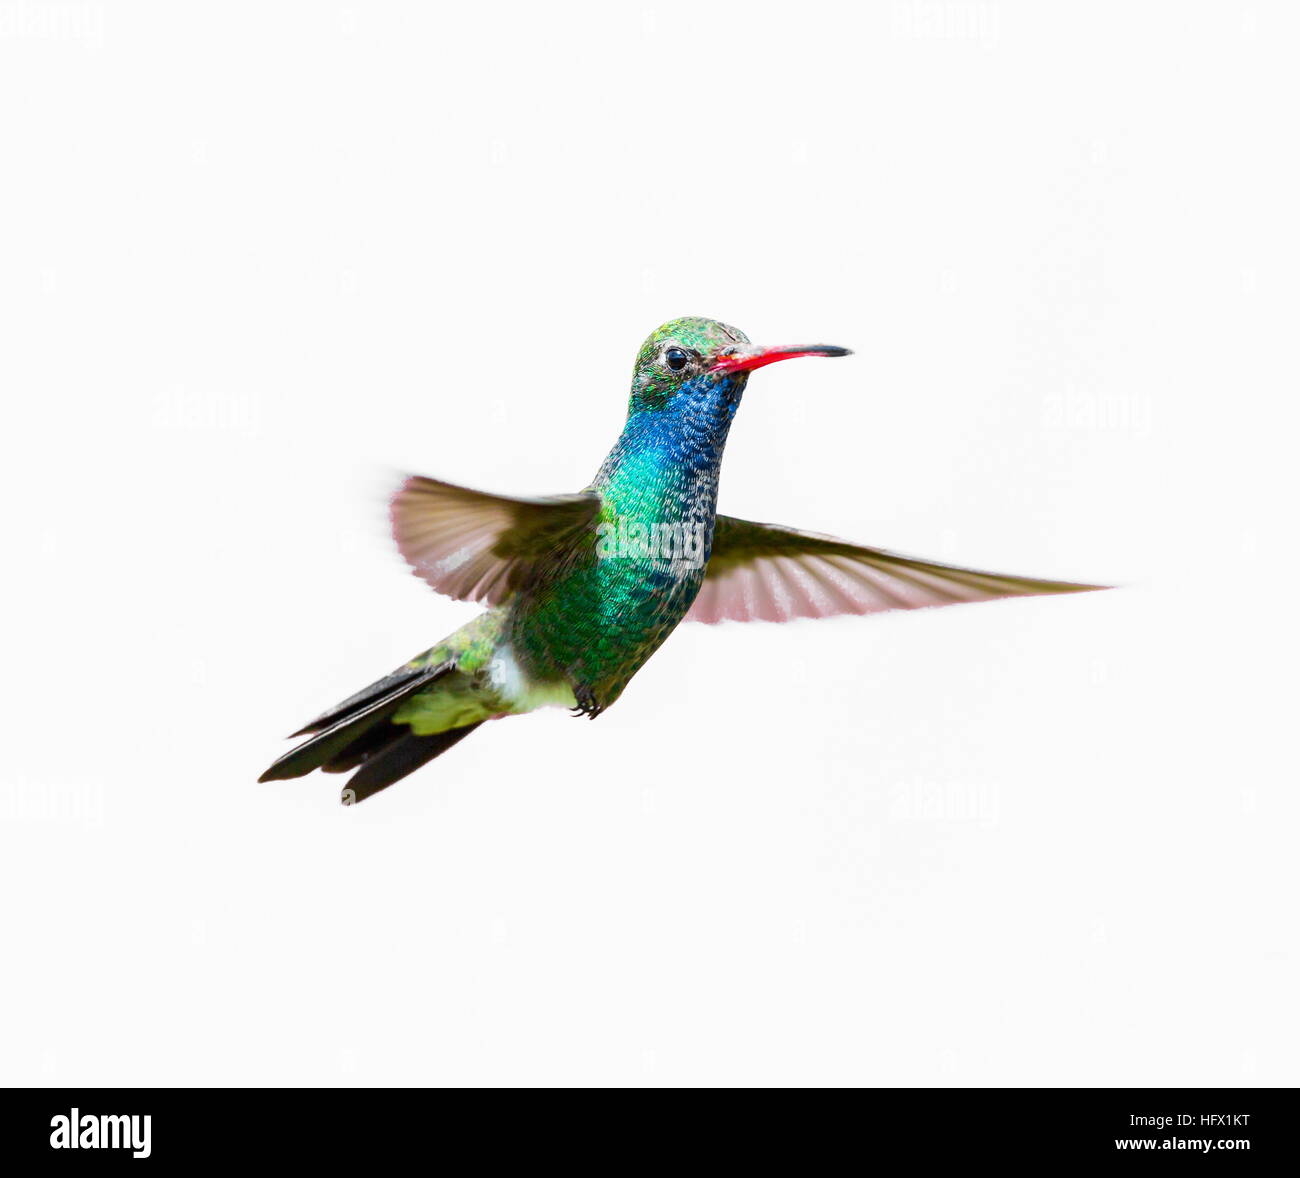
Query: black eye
676, 359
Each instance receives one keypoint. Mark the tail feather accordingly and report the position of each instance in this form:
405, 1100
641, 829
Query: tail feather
368, 745
379, 689
335, 740
396, 759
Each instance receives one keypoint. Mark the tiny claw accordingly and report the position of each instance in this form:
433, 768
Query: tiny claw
588, 705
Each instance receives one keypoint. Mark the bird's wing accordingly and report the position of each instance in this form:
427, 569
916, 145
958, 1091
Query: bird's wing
763, 572
479, 547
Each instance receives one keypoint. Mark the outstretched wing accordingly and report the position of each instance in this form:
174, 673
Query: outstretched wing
479, 547
762, 572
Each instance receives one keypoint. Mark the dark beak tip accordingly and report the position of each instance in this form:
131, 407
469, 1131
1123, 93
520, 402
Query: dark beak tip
760, 357
820, 350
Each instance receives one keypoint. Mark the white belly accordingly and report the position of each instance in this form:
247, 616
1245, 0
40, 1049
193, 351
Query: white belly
520, 693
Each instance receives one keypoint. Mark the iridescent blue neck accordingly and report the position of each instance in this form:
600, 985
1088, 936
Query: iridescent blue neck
668, 455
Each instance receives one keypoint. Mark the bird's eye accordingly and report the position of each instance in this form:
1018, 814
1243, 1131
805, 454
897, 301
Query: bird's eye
676, 359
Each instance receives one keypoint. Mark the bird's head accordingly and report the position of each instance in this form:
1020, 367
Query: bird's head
701, 361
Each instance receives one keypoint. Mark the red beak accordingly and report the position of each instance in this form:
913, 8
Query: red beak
747, 358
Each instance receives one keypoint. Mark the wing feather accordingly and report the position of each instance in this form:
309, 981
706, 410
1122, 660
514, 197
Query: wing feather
764, 572
479, 547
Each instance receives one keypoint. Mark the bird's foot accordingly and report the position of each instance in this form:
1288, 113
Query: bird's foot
588, 705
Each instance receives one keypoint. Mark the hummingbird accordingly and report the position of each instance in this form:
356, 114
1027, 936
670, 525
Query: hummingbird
582, 589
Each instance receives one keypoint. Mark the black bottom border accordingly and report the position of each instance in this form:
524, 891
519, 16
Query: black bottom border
1134, 1127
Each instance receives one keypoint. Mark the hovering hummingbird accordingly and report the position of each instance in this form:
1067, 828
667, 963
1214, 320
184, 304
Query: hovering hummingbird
584, 588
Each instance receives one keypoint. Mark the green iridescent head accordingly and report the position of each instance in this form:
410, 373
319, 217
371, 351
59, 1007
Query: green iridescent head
690, 353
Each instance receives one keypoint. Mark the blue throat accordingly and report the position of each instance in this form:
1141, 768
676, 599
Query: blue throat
668, 455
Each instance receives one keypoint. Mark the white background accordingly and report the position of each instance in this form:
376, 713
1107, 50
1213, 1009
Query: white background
257, 257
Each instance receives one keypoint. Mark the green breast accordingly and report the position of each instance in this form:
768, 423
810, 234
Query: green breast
595, 618
596, 613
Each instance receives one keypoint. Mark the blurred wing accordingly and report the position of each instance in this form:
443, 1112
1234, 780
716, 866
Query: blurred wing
479, 547
761, 572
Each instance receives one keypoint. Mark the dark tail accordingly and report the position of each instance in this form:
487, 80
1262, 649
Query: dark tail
401, 755
360, 732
